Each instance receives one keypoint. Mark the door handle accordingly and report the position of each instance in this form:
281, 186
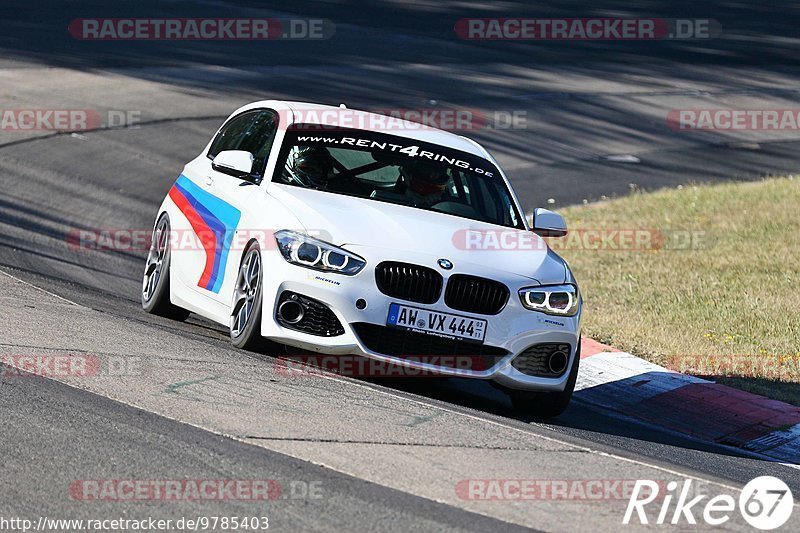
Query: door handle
209, 180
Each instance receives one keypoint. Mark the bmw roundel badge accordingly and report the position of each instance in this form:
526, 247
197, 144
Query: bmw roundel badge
445, 264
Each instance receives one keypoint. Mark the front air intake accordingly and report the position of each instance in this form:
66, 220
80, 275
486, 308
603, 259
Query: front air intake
547, 360
301, 313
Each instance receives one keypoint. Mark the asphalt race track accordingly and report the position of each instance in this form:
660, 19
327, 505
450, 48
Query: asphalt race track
385, 454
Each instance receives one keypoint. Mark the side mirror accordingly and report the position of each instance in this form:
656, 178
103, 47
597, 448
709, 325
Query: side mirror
548, 223
236, 163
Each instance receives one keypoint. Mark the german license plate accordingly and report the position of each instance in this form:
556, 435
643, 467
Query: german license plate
435, 323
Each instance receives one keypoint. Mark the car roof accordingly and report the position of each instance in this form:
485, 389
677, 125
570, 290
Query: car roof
310, 113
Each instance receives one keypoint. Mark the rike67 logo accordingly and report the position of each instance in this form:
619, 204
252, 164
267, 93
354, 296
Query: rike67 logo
765, 503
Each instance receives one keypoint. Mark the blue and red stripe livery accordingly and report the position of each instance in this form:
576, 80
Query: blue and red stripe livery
214, 221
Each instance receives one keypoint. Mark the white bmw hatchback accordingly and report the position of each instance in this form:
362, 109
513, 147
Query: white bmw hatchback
343, 232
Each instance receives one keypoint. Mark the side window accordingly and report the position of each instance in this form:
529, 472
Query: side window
253, 131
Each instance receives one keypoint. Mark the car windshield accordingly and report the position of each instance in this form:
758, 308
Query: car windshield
398, 170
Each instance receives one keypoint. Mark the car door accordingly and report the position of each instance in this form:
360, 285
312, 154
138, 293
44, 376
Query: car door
244, 195
221, 200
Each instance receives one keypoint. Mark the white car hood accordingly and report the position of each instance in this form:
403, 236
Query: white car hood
357, 222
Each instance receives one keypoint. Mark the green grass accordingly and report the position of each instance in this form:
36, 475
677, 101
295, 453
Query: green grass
727, 307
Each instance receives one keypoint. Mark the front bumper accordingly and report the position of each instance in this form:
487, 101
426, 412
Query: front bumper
514, 329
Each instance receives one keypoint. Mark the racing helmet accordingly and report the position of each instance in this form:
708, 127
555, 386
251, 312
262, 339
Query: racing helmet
425, 179
310, 166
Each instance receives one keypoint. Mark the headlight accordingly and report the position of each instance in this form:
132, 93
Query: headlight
303, 250
551, 299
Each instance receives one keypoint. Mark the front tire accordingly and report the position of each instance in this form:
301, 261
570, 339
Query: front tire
246, 309
547, 404
155, 281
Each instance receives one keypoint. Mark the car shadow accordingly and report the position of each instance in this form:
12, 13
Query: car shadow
586, 414
589, 418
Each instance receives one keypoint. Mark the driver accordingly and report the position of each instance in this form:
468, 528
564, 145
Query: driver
425, 182
309, 166
312, 167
